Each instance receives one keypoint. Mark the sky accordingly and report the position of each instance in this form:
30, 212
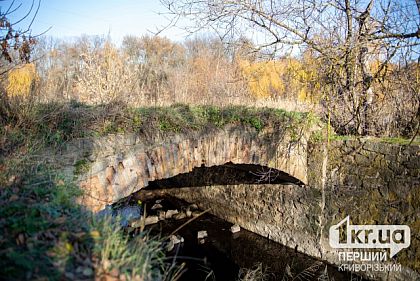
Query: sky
117, 18
70, 18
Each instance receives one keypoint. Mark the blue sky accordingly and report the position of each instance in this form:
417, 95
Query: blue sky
68, 18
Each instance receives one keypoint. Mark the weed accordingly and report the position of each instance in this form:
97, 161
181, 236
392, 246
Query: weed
44, 234
255, 274
81, 166
140, 256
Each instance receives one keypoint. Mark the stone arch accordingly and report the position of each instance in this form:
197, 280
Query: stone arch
132, 163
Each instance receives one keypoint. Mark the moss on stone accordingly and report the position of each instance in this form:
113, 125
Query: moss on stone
81, 166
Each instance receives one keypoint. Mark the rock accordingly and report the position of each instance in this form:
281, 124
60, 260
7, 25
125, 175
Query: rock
147, 221
188, 213
157, 206
176, 239
127, 214
158, 201
161, 215
196, 214
170, 213
202, 234
235, 228
180, 216
151, 220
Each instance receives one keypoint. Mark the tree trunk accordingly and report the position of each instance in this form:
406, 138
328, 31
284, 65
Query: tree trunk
367, 91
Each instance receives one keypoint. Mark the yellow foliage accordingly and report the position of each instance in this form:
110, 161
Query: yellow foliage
20, 80
264, 78
283, 77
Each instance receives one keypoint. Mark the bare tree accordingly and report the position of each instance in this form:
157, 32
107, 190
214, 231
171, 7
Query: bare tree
346, 36
15, 43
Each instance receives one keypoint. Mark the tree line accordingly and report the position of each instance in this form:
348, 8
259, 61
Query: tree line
356, 63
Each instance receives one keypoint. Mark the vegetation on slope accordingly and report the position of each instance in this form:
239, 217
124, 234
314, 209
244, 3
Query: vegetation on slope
43, 233
54, 123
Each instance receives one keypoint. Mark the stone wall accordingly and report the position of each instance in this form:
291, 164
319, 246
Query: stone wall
372, 182
288, 214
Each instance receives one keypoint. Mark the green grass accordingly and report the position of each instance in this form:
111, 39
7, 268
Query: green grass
36, 208
390, 140
401, 141
50, 125
141, 256
81, 166
44, 234
182, 118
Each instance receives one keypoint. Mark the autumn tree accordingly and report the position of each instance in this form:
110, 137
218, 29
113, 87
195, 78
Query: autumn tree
154, 59
102, 75
344, 35
15, 51
15, 43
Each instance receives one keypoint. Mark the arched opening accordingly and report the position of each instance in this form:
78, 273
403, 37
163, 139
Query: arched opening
266, 203
227, 174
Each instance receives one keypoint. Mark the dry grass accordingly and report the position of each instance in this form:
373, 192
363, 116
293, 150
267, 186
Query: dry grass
255, 274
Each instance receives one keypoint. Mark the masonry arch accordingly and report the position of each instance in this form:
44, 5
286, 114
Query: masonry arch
127, 168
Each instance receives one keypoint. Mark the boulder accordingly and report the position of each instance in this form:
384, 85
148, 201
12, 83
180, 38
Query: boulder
235, 228
151, 220
170, 213
202, 234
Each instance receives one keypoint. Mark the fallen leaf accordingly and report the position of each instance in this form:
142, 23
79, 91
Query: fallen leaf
95, 234
69, 247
